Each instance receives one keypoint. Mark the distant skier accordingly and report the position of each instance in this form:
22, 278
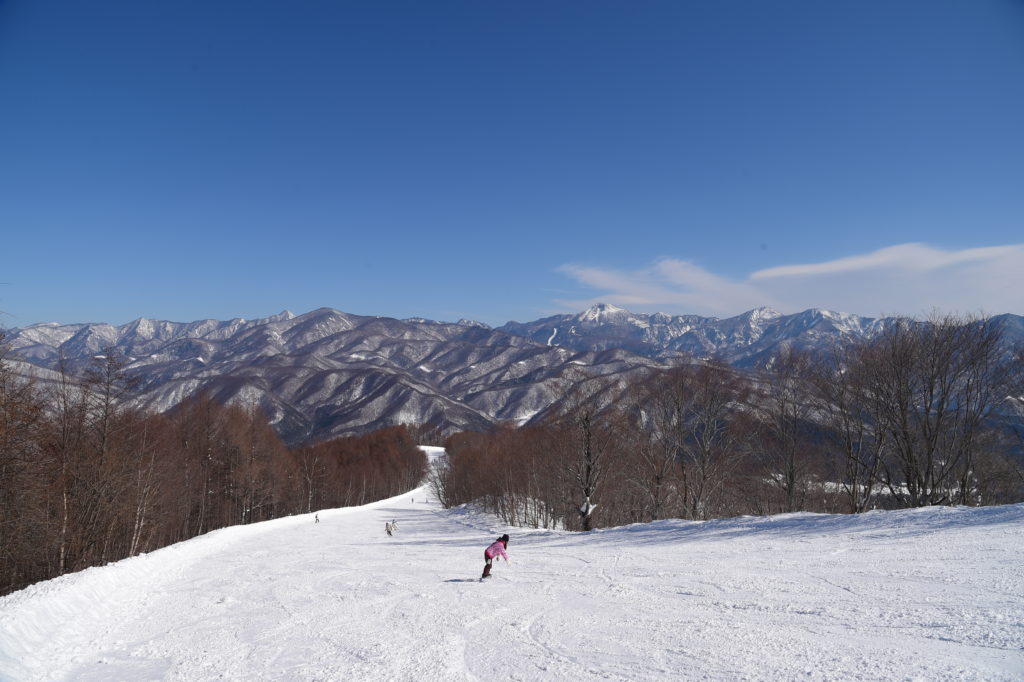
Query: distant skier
496, 549
387, 528
316, 518
394, 525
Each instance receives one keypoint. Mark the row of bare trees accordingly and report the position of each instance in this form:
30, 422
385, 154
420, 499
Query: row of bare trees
85, 480
355, 470
926, 413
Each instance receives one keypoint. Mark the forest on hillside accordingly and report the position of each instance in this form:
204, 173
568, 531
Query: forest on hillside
924, 414
85, 481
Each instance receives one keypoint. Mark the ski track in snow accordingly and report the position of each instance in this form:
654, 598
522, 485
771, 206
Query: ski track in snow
931, 594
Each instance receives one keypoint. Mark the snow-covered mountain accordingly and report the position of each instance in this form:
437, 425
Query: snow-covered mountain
747, 340
744, 340
328, 373
922, 594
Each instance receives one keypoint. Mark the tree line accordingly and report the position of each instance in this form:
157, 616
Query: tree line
925, 413
85, 480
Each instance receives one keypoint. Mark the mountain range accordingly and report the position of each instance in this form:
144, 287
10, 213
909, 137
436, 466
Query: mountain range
327, 373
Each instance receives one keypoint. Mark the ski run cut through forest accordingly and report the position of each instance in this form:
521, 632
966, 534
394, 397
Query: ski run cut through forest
935, 593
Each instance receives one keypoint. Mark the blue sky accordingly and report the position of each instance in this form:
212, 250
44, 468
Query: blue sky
498, 161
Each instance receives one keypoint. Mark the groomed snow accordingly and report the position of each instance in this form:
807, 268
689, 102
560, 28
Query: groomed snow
929, 594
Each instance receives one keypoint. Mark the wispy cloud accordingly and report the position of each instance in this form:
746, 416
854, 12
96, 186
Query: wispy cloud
906, 257
907, 279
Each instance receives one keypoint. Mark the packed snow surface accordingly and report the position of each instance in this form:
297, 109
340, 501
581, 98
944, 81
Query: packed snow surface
929, 594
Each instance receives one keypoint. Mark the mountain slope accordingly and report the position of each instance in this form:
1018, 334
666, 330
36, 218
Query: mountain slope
747, 340
932, 593
740, 340
328, 373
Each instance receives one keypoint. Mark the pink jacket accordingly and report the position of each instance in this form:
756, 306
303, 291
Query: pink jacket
496, 549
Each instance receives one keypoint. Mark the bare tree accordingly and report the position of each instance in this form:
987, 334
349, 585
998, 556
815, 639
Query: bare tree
150, 469
693, 441
110, 452
838, 382
23, 530
786, 413
63, 447
654, 411
199, 426
714, 440
933, 388
589, 436
312, 470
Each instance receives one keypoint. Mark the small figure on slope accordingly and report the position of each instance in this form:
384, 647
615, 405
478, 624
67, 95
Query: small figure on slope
387, 528
496, 549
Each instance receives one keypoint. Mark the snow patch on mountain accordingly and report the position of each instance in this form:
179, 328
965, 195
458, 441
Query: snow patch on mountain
602, 312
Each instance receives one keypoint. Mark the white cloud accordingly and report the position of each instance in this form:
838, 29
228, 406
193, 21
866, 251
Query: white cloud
905, 279
671, 285
905, 257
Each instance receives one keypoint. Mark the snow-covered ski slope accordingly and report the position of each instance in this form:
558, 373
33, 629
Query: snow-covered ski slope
929, 594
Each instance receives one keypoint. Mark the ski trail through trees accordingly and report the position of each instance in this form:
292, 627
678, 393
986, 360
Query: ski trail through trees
933, 593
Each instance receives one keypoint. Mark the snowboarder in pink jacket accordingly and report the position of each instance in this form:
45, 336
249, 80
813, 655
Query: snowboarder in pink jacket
496, 549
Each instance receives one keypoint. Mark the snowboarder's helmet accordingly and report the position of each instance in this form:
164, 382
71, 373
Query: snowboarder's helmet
504, 538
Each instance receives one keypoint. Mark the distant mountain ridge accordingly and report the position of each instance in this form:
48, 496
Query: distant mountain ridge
327, 373
746, 340
742, 340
